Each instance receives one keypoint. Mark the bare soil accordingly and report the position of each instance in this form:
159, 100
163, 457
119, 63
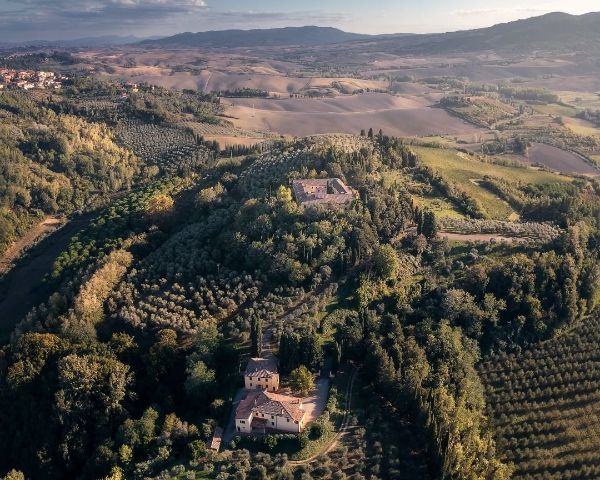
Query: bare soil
23, 287
398, 116
12, 254
560, 160
481, 237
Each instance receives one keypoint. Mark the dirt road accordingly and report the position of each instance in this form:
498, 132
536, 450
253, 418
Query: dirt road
12, 254
481, 237
342, 431
23, 287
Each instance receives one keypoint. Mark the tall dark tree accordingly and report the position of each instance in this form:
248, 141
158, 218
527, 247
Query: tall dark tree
429, 226
256, 337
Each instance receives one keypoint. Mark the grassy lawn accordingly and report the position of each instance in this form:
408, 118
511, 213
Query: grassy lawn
556, 110
437, 203
466, 171
314, 446
581, 127
441, 206
342, 300
581, 100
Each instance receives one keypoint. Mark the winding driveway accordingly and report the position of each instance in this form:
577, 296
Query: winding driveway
342, 431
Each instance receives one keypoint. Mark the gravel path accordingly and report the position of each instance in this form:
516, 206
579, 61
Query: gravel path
342, 431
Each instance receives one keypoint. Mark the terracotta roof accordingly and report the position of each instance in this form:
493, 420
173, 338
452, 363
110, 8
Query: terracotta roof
258, 401
322, 190
261, 367
215, 443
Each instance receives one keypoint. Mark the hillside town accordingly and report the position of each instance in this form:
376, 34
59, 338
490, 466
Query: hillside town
29, 79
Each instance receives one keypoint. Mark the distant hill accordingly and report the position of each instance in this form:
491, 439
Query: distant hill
107, 40
300, 36
554, 31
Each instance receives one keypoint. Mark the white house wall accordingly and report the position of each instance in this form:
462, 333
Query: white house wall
243, 425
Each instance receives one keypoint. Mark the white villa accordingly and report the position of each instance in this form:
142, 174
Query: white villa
261, 374
262, 410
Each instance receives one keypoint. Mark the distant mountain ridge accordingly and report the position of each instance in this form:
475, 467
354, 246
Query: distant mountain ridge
551, 31
103, 41
288, 36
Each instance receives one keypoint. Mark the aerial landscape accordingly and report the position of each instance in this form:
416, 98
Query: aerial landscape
302, 240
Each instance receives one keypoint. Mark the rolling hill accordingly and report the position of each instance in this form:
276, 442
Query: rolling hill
554, 31
298, 36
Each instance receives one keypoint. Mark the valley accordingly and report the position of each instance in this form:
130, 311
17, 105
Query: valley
400, 229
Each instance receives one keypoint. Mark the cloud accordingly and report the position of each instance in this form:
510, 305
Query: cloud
29, 19
102, 5
64, 19
251, 18
35, 11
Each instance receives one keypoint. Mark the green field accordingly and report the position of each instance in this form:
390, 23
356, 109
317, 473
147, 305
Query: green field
556, 110
581, 100
440, 205
581, 127
467, 171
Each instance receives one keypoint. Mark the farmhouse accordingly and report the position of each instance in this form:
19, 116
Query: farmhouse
261, 373
261, 411
322, 191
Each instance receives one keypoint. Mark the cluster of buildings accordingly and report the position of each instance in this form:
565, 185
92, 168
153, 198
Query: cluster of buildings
322, 191
263, 409
132, 87
29, 79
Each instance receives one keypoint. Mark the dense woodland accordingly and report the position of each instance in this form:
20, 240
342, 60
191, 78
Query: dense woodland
54, 164
68, 153
126, 369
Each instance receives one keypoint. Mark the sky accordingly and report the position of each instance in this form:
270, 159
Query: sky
25, 20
